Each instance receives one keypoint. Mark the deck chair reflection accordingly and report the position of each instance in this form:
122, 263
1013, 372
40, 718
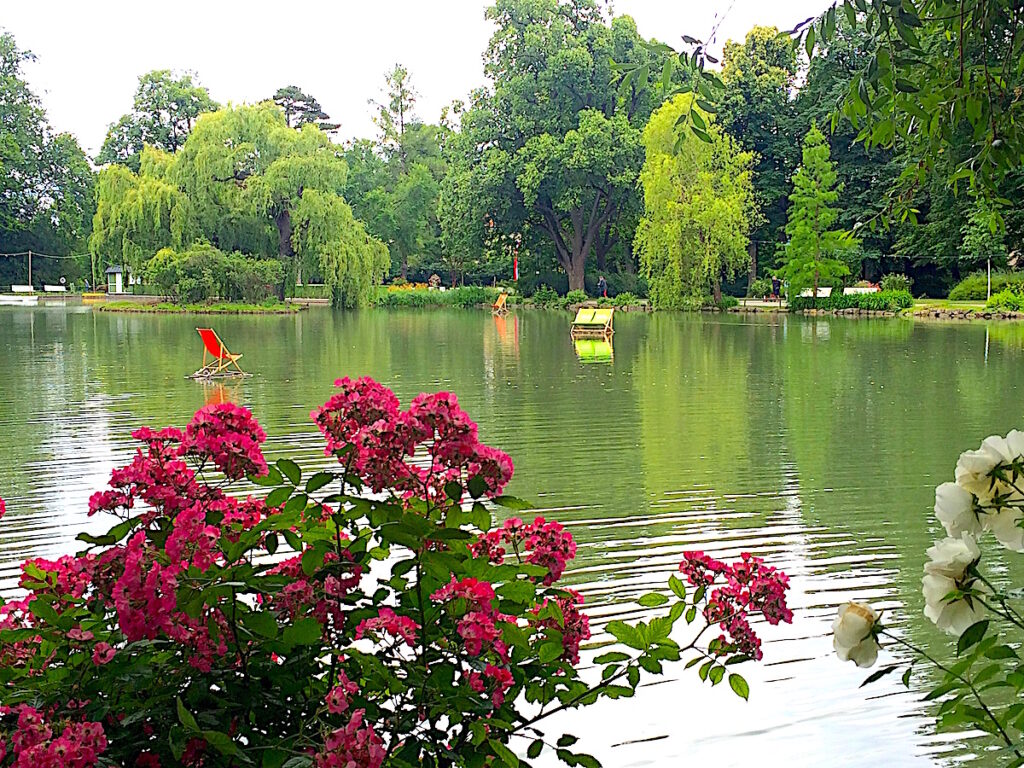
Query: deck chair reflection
594, 350
590, 322
217, 360
500, 306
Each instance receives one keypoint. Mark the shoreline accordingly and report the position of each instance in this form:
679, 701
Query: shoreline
215, 309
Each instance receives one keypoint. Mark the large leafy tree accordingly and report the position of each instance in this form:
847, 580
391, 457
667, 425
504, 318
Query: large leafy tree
301, 108
757, 111
395, 180
46, 183
554, 137
244, 181
814, 247
698, 209
164, 111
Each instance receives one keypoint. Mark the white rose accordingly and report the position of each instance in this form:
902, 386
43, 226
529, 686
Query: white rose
946, 572
1004, 525
973, 467
852, 636
954, 508
951, 556
952, 616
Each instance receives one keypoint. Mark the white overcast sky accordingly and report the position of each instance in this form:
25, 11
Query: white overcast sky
90, 54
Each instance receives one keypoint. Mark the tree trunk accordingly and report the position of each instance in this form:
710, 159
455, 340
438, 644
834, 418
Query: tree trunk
586, 228
716, 291
285, 252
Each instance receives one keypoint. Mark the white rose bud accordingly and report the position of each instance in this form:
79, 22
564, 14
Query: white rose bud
852, 635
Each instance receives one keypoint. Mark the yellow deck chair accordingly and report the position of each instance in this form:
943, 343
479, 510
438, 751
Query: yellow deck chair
593, 322
217, 360
500, 307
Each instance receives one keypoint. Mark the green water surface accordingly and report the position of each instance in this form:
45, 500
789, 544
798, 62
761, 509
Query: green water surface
813, 442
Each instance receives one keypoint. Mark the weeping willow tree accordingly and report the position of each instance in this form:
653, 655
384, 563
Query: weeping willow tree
325, 232
258, 184
138, 214
243, 181
698, 209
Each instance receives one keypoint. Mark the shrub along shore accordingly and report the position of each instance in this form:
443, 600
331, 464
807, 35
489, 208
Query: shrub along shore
221, 308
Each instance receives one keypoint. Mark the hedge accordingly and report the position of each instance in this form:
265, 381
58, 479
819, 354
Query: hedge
467, 296
881, 301
974, 287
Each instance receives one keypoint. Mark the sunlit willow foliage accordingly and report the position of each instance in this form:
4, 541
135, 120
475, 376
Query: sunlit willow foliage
46, 184
368, 615
814, 248
551, 149
698, 209
243, 181
163, 113
969, 593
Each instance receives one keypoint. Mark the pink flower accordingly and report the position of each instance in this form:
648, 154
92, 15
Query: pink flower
338, 697
353, 746
102, 654
539, 543
230, 437
391, 623
79, 634
575, 626
3, 508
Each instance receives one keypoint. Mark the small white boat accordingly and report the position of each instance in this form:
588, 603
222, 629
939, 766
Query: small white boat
18, 300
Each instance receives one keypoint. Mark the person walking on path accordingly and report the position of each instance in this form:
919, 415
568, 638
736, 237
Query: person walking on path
602, 287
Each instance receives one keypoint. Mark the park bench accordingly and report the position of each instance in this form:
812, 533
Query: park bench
55, 288
823, 292
22, 289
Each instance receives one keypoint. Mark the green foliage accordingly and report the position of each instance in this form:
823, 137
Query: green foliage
202, 273
301, 108
395, 182
545, 296
726, 302
551, 151
138, 214
814, 247
698, 209
467, 297
620, 300
936, 68
983, 236
974, 287
1011, 299
574, 297
880, 301
895, 282
163, 113
244, 180
46, 182
760, 287
755, 110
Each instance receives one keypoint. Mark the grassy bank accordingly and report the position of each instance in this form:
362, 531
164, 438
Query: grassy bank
220, 308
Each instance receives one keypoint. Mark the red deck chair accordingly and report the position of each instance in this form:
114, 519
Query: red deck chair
222, 360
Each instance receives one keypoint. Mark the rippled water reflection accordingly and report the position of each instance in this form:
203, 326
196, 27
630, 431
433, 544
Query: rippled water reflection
815, 443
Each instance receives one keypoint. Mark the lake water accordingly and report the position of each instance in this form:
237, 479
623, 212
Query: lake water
815, 443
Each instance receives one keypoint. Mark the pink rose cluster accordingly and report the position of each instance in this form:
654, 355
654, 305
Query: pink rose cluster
39, 743
575, 626
541, 543
368, 432
736, 591
479, 624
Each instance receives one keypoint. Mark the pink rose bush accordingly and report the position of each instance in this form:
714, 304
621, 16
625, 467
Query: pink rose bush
368, 615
